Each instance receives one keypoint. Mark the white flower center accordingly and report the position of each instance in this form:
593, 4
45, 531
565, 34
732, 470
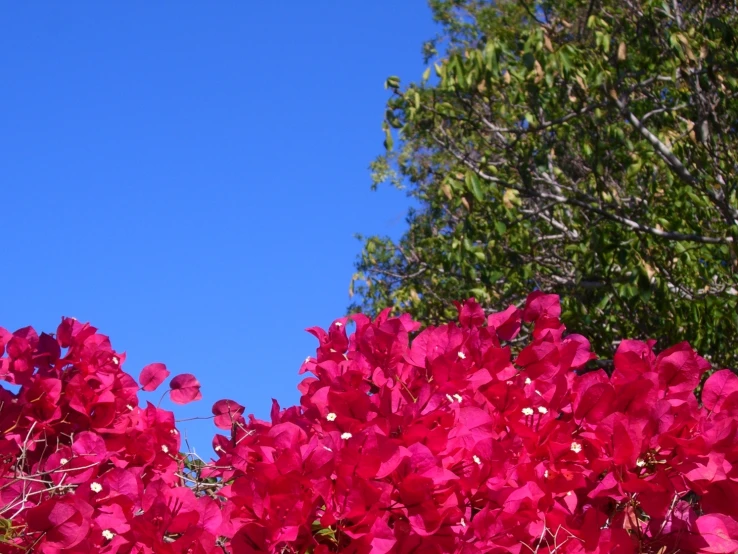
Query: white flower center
108, 534
477, 460
96, 487
462, 355
346, 436
331, 417
527, 411
576, 447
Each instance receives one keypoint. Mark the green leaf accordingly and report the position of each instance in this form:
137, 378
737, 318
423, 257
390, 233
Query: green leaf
472, 183
529, 61
388, 142
392, 83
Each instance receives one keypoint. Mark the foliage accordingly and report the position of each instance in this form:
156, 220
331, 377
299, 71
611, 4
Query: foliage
83, 467
490, 435
585, 147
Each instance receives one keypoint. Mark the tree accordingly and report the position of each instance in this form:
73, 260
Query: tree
584, 147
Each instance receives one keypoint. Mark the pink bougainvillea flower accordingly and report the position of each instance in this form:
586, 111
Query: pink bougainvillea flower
227, 412
152, 376
454, 439
184, 388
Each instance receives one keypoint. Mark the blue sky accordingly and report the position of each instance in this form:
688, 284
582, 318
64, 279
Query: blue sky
189, 176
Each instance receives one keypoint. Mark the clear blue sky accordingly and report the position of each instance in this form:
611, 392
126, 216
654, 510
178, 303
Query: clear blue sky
189, 176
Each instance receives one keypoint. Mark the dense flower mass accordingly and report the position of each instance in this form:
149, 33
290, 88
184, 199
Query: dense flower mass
493, 434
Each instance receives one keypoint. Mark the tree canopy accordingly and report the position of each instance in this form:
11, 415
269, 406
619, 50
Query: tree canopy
583, 147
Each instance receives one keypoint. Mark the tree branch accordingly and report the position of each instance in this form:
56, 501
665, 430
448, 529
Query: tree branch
531, 192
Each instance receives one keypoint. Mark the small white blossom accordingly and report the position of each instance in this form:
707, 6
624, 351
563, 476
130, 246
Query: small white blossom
542, 410
174, 432
477, 460
331, 417
568, 493
116, 361
640, 462
527, 411
545, 474
108, 534
576, 447
339, 324
458, 398
346, 436
96, 487
165, 449
462, 355
63, 461
528, 381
